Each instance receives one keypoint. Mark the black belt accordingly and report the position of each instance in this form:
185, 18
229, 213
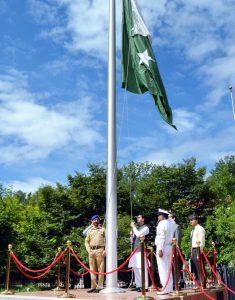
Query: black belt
96, 247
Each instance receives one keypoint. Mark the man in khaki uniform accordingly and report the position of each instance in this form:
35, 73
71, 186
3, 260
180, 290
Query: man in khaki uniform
95, 246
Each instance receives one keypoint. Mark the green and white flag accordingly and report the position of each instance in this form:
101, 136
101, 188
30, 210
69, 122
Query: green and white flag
139, 66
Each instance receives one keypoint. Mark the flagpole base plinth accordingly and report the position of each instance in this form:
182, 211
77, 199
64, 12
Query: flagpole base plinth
112, 290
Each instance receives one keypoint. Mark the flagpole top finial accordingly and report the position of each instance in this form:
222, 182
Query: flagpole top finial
230, 88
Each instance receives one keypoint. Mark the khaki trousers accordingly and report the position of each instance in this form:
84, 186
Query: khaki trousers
97, 264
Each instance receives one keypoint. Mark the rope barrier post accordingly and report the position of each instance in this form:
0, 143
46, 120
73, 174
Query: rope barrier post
142, 247
58, 288
67, 278
9, 253
214, 279
199, 263
176, 269
151, 288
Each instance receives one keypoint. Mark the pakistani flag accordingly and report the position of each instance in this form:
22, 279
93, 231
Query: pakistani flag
139, 66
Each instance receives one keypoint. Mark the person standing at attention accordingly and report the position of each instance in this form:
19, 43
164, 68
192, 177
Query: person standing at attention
178, 237
163, 241
197, 235
178, 230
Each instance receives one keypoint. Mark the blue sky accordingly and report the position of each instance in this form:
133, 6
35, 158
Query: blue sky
53, 87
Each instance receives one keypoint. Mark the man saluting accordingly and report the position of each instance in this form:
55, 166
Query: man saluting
95, 246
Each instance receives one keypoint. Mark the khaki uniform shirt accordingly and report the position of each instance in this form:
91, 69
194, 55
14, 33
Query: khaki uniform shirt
95, 238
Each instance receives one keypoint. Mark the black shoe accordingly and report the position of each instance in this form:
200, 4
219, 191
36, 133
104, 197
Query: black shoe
135, 289
97, 290
91, 291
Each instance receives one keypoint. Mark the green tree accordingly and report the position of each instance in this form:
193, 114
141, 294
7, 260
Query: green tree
222, 179
220, 229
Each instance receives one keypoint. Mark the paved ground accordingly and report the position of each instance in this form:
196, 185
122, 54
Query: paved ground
83, 295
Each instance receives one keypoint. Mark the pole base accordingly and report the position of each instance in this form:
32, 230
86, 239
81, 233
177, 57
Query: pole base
7, 292
152, 288
66, 295
178, 293
112, 290
57, 289
142, 297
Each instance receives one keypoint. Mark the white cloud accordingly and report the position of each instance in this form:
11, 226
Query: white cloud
34, 130
199, 30
43, 12
185, 120
29, 186
206, 149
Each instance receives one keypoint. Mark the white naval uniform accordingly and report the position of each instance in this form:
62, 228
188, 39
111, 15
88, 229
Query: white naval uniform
163, 240
135, 261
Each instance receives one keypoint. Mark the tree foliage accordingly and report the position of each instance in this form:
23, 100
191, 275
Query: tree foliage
36, 224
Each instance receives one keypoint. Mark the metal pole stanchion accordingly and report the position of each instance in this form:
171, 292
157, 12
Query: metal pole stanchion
143, 296
58, 288
67, 278
7, 290
176, 269
151, 288
199, 262
215, 283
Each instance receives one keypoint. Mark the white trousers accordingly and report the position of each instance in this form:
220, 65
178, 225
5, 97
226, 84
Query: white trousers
138, 281
163, 264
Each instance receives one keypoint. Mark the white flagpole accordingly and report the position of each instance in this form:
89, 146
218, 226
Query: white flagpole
111, 185
231, 94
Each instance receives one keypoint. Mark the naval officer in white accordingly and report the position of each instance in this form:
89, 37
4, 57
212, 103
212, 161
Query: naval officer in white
163, 241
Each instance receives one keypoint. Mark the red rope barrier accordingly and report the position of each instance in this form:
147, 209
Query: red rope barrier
19, 267
83, 274
151, 275
29, 276
217, 277
74, 272
78, 274
125, 271
103, 273
204, 273
41, 270
192, 277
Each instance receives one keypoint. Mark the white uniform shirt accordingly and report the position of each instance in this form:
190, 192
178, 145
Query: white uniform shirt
165, 234
198, 235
